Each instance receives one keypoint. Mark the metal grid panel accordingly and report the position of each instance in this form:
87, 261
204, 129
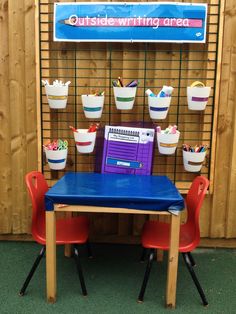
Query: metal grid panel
93, 66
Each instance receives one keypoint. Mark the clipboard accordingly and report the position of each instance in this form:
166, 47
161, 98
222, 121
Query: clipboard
128, 150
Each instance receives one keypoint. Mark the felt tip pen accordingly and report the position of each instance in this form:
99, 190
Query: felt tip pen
158, 129
166, 91
73, 129
150, 93
133, 83
93, 127
45, 82
120, 81
114, 83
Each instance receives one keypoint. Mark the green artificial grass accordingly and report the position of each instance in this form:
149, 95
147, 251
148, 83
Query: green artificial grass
113, 278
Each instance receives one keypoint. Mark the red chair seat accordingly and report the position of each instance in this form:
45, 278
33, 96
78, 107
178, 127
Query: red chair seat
68, 231
156, 235
74, 230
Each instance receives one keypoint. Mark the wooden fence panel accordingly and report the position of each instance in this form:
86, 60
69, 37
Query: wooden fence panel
19, 125
18, 117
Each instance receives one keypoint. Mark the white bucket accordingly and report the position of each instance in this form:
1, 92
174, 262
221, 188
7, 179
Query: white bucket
56, 158
158, 107
92, 105
193, 161
198, 97
124, 97
167, 143
57, 96
84, 140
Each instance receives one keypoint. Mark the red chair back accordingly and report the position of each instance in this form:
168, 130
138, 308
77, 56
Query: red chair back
194, 200
37, 187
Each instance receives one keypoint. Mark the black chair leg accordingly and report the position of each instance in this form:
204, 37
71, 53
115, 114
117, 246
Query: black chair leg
90, 254
79, 269
191, 259
32, 271
143, 256
146, 276
194, 277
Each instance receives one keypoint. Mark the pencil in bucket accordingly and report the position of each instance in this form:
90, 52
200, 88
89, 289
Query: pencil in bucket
85, 138
193, 157
57, 94
56, 154
159, 104
124, 95
93, 105
167, 140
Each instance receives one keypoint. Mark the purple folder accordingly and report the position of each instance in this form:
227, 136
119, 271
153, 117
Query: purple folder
128, 150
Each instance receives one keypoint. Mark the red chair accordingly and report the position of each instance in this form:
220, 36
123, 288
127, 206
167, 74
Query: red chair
155, 235
68, 231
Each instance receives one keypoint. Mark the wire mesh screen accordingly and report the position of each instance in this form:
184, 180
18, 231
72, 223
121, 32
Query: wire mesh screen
91, 67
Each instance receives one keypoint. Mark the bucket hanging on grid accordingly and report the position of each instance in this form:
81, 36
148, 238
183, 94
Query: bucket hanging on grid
56, 158
158, 107
57, 96
193, 161
167, 143
84, 140
124, 97
198, 95
92, 105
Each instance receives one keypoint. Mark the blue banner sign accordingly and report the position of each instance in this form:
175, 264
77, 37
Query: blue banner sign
130, 22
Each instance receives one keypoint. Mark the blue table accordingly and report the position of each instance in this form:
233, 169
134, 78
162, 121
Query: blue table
114, 193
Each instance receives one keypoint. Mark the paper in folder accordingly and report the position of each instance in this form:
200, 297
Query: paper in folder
128, 150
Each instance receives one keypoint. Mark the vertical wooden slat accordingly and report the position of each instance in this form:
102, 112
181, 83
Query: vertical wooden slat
224, 134
17, 110
221, 30
5, 122
30, 103
231, 216
37, 84
212, 61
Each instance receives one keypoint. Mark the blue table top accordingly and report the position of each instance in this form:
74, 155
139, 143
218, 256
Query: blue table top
115, 190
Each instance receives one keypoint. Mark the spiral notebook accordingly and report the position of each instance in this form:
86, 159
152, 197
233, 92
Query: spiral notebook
128, 150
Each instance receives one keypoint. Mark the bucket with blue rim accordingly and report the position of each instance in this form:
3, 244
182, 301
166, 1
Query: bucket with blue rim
93, 106
158, 107
56, 158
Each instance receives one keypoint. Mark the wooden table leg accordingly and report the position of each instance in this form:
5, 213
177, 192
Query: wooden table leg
51, 256
173, 261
